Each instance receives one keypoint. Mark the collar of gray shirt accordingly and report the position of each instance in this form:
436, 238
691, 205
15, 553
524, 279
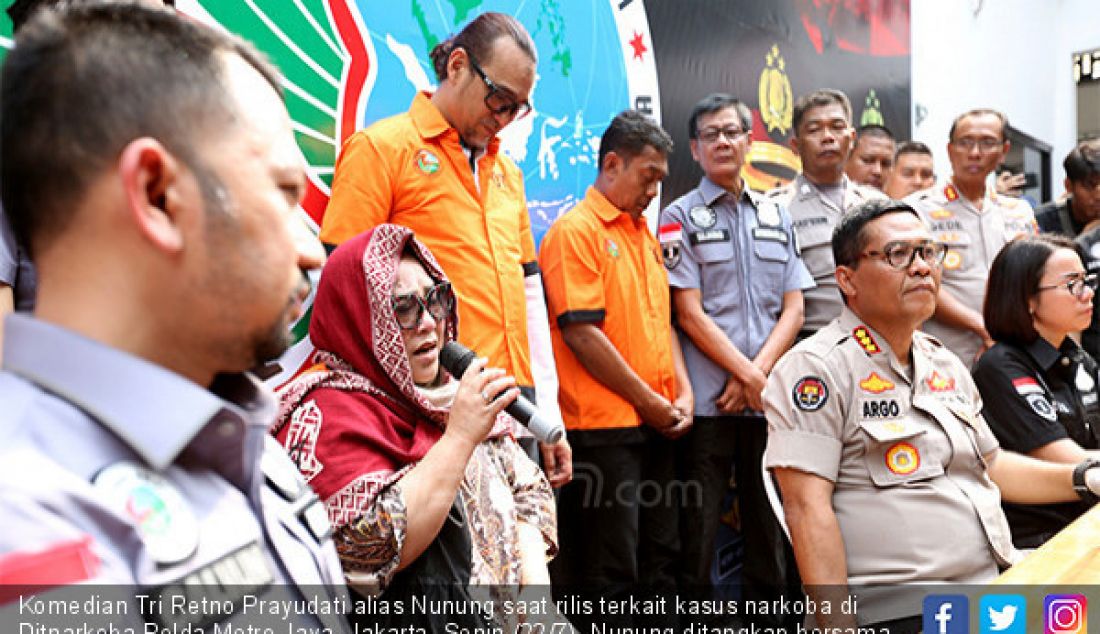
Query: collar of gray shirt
711, 192
156, 412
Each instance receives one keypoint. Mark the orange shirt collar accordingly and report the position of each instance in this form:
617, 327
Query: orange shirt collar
431, 123
603, 208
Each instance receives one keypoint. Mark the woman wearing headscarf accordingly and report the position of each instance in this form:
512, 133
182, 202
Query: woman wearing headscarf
1038, 386
422, 480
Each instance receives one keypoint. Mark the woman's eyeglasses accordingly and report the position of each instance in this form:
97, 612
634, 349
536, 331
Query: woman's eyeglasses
1076, 286
409, 309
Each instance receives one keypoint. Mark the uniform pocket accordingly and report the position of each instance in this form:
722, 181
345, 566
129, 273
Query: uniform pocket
712, 245
770, 244
897, 452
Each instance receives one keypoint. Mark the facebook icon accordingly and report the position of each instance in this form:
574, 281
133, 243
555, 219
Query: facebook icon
946, 614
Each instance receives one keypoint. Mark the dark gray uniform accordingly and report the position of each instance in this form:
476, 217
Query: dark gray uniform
741, 256
157, 483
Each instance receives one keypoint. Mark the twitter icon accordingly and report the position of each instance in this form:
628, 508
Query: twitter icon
1003, 614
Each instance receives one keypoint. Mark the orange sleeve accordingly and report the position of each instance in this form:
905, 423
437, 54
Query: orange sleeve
571, 262
527, 257
362, 191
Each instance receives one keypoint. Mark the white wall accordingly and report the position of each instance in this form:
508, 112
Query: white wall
1013, 55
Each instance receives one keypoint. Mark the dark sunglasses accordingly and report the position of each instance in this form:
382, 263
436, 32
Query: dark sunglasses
499, 101
409, 309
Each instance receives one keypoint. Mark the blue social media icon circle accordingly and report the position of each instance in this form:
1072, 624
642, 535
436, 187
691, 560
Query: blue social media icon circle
946, 614
1003, 614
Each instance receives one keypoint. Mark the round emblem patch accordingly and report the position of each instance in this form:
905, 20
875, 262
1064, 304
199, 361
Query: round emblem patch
1041, 406
427, 162
703, 217
952, 260
767, 214
158, 510
902, 459
810, 393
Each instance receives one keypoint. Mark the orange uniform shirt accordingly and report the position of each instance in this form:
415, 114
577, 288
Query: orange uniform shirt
601, 266
410, 170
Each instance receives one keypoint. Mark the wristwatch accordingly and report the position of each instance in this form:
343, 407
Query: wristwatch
1079, 485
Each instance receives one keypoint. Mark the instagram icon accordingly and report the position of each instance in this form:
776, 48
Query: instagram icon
1065, 614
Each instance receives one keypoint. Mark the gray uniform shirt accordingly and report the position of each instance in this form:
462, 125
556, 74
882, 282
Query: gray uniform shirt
741, 256
904, 450
814, 217
160, 479
973, 237
16, 269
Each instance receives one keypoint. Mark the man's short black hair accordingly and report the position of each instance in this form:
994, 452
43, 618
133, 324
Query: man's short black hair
850, 236
85, 80
874, 130
713, 103
977, 112
628, 135
912, 147
824, 97
1083, 161
1013, 280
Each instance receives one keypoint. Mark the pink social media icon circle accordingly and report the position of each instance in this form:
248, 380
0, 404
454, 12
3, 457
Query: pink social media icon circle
1065, 614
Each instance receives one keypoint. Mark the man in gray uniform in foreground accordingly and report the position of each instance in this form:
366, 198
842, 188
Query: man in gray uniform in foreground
149, 165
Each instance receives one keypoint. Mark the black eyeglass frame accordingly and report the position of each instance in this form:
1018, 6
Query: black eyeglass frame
1076, 286
503, 104
705, 135
933, 253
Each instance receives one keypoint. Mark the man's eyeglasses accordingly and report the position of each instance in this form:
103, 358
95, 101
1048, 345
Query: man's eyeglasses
498, 100
985, 145
732, 133
1075, 286
409, 309
900, 255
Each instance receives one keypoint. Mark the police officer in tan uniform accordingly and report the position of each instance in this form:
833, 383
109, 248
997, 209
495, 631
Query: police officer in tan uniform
819, 196
974, 222
888, 472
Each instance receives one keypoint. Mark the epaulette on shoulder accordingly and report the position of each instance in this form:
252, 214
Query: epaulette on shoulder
823, 343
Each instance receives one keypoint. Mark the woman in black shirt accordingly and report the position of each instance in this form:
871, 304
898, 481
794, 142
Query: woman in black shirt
1038, 386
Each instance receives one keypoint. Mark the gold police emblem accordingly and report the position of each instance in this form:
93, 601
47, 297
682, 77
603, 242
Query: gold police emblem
776, 105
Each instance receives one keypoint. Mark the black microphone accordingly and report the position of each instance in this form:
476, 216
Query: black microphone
457, 357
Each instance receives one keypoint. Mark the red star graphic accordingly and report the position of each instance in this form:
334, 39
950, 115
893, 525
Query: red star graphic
638, 45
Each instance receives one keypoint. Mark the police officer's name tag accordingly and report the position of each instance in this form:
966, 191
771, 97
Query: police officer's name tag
713, 235
770, 234
212, 594
158, 510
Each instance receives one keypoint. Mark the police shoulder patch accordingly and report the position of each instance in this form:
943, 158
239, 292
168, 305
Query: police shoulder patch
810, 393
703, 217
863, 337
